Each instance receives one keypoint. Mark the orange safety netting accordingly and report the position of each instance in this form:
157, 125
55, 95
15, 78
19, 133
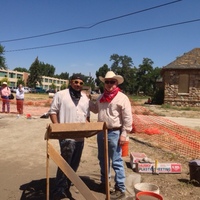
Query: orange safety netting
164, 133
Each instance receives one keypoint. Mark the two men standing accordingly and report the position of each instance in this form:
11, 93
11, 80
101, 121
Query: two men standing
113, 107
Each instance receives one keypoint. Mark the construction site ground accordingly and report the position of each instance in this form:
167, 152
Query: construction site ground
23, 154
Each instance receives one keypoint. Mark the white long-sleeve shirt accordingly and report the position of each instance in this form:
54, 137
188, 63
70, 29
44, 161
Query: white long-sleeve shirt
20, 93
66, 110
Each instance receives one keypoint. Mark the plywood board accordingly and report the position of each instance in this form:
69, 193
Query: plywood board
73, 130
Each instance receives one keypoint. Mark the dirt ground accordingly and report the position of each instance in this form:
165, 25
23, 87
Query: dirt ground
23, 160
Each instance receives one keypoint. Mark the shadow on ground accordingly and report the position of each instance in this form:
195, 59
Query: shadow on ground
36, 189
192, 182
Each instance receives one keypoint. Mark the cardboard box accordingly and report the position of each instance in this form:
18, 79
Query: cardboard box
135, 157
165, 168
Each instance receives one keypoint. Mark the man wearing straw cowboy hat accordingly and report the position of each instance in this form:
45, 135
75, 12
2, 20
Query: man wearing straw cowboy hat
114, 108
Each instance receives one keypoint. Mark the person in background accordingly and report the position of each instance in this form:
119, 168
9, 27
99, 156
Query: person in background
5, 92
20, 99
114, 108
69, 106
148, 101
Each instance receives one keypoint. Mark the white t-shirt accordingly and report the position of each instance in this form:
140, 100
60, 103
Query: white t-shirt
20, 93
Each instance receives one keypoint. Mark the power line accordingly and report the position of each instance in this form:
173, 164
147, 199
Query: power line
89, 27
105, 37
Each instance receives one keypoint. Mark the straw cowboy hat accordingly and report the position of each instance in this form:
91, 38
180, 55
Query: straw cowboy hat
111, 74
4, 83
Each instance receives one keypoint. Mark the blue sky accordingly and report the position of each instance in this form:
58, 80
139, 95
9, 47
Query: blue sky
27, 18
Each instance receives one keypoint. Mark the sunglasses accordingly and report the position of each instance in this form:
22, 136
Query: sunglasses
78, 82
110, 82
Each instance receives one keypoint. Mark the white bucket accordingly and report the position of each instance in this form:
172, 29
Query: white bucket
141, 187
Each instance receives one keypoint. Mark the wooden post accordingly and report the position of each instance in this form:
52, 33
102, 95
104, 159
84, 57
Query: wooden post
106, 162
47, 170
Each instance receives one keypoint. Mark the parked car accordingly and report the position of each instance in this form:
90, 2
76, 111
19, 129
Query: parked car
13, 89
26, 90
32, 90
40, 90
51, 91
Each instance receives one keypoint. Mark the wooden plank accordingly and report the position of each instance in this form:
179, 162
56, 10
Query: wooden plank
73, 130
47, 172
68, 171
73, 127
72, 135
106, 159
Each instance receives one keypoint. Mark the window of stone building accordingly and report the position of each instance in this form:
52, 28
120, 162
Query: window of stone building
183, 86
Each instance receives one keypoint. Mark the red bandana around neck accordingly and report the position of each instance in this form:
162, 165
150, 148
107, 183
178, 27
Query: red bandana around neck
108, 96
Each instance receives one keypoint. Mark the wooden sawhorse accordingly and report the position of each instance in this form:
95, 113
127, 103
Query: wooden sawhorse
74, 130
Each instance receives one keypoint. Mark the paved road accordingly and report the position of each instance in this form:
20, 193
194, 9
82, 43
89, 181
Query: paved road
189, 122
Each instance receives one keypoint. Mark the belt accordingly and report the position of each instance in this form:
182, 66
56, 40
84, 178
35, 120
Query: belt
115, 129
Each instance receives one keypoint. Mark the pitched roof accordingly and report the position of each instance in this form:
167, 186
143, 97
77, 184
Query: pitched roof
189, 60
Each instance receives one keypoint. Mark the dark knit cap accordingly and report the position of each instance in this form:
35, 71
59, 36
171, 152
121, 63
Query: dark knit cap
77, 76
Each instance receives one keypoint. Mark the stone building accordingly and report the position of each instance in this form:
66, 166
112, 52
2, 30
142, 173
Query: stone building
181, 79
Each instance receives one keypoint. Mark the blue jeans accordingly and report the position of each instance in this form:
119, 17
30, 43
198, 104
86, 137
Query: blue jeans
114, 155
71, 151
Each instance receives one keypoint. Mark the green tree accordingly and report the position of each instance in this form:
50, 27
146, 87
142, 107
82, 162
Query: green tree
20, 81
2, 58
47, 69
21, 69
35, 77
89, 81
4, 80
101, 72
131, 86
63, 86
52, 86
154, 76
123, 65
63, 75
143, 77
115, 66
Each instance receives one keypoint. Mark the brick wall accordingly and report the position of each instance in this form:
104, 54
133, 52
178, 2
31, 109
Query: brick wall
171, 85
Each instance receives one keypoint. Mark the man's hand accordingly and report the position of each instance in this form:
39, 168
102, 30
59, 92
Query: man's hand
122, 140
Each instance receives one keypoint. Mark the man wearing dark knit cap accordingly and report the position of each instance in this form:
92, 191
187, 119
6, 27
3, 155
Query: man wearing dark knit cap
69, 106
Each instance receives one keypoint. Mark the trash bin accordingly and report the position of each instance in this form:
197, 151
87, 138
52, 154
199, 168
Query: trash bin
194, 166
